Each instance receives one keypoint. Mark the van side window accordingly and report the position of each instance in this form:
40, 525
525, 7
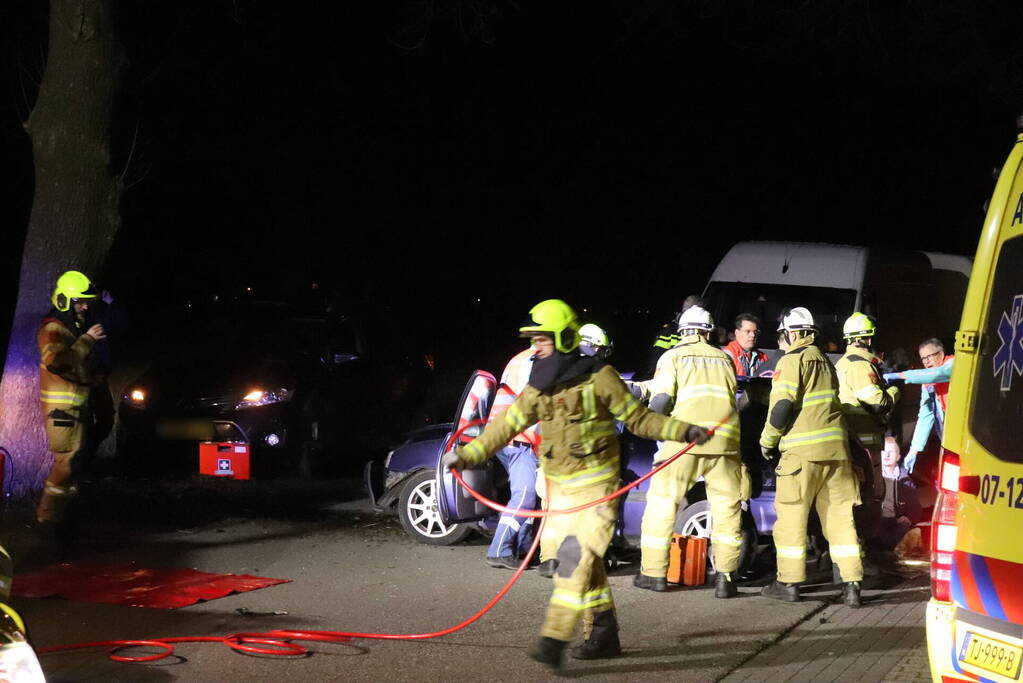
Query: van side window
998, 393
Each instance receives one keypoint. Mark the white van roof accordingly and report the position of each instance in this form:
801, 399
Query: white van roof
793, 263
960, 264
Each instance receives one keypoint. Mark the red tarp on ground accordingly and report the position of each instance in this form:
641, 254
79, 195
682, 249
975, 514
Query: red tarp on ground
127, 584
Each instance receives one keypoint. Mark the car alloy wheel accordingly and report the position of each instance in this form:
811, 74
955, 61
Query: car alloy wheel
420, 516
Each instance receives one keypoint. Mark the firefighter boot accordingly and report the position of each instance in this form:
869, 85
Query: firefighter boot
602, 642
851, 594
724, 585
548, 651
651, 583
789, 592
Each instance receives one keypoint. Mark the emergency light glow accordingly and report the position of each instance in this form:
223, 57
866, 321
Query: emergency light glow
138, 396
253, 396
272, 439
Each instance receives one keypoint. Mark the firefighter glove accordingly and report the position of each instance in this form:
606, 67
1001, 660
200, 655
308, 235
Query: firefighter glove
451, 460
697, 434
768, 453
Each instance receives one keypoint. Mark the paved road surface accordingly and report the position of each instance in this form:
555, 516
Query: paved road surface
352, 569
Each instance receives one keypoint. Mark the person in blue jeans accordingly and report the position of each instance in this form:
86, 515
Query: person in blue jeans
514, 535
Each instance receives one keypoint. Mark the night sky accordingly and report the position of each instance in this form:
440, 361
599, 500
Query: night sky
427, 154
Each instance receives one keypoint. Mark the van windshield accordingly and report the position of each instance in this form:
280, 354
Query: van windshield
998, 390
829, 306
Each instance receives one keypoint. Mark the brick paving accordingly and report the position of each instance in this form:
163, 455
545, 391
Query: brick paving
882, 641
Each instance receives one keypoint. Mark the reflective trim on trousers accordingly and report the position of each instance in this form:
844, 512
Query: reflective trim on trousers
794, 552
726, 540
581, 601
845, 550
656, 542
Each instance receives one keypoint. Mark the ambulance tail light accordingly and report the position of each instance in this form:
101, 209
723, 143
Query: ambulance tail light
943, 527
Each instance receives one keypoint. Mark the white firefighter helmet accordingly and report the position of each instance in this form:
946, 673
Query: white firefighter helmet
695, 318
796, 319
593, 341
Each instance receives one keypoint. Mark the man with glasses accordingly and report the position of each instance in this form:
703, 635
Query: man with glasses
933, 396
743, 349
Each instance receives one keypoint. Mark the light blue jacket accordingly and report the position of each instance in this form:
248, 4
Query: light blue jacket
930, 407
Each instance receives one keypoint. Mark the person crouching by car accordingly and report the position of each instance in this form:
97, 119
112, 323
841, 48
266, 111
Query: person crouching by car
576, 399
900, 507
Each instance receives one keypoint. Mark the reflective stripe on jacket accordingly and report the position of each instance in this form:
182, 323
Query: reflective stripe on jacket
577, 419
64, 376
804, 416
700, 381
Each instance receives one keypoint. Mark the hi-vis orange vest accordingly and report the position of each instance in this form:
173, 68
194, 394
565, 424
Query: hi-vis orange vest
513, 381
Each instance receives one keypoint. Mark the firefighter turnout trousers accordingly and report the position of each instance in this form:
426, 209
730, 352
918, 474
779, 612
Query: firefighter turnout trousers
834, 488
724, 478
67, 431
581, 589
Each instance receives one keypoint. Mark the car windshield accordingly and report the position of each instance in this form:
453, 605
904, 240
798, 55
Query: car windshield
829, 306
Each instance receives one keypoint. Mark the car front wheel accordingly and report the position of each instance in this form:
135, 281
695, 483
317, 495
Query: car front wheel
420, 517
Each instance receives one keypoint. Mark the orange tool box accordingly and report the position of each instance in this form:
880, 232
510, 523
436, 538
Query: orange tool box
687, 560
224, 459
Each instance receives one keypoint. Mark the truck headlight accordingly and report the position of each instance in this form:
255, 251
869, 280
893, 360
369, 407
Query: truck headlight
262, 397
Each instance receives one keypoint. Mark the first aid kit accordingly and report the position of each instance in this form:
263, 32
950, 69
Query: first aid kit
224, 459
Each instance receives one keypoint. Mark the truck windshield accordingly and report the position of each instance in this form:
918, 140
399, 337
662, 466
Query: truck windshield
829, 306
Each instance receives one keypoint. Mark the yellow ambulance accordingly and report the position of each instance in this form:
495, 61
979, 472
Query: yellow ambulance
975, 615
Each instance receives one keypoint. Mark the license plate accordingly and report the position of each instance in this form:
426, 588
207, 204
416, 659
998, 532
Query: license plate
991, 655
185, 430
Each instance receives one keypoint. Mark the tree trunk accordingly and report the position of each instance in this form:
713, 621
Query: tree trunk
75, 210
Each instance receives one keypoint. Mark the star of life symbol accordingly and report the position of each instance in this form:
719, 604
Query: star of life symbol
224, 465
1009, 355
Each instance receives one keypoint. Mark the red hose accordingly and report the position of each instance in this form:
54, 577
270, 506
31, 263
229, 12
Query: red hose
278, 642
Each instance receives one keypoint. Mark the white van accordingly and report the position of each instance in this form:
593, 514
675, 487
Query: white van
911, 293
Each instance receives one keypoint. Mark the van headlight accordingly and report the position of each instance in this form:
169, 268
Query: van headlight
262, 397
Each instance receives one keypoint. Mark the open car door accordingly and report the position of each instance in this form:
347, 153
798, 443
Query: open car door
454, 504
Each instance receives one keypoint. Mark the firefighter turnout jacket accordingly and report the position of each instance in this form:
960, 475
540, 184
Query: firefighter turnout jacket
577, 420
866, 400
699, 381
804, 416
